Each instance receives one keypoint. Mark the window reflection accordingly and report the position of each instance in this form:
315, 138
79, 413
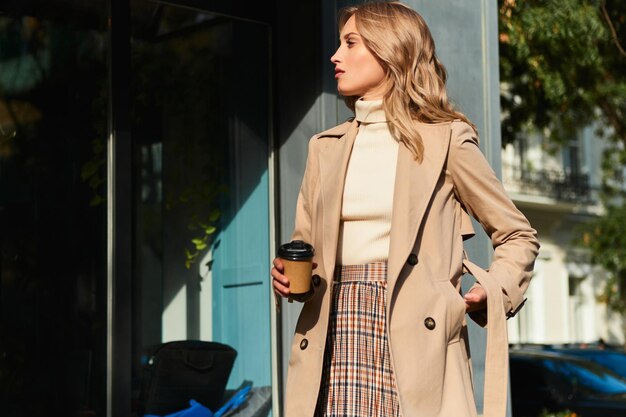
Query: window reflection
200, 115
615, 361
592, 379
200, 130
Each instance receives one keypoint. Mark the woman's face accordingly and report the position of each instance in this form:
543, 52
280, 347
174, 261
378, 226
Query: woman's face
357, 71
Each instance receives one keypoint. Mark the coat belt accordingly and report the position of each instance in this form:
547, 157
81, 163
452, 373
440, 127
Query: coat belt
497, 354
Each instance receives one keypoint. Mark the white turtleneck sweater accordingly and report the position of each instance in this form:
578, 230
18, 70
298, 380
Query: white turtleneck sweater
368, 191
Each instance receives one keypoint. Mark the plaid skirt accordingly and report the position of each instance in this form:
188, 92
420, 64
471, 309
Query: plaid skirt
357, 379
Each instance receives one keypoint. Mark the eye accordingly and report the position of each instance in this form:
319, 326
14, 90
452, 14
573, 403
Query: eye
350, 43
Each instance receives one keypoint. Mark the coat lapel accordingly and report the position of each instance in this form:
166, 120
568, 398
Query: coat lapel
333, 163
414, 186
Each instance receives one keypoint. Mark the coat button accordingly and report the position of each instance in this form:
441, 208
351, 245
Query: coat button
429, 323
316, 280
303, 344
412, 260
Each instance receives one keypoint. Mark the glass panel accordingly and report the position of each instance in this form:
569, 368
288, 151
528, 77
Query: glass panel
200, 128
53, 100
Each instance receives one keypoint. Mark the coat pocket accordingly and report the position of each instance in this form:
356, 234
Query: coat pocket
455, 310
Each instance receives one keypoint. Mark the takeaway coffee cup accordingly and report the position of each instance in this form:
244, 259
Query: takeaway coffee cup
297, 257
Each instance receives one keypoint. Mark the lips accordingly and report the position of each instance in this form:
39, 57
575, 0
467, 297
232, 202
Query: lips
338, 72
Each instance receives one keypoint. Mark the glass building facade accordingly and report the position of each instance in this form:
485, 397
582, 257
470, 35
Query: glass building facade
134, 196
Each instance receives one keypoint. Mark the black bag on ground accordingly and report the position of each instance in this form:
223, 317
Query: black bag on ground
177, 372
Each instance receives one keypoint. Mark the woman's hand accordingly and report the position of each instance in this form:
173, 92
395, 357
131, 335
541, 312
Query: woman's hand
475, 300
280, 282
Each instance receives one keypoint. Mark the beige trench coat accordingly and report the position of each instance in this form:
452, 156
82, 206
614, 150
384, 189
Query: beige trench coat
429, 222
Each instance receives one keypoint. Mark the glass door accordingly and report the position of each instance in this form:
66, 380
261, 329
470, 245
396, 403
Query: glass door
200, 111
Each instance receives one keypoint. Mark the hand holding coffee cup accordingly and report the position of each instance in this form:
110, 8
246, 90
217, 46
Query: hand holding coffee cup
296, 260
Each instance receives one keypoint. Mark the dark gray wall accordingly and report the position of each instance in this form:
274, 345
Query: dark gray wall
298, 85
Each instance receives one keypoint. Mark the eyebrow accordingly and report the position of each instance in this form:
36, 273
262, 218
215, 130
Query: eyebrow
347, 35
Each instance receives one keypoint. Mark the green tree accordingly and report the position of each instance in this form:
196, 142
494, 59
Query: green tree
562, 68
606, 239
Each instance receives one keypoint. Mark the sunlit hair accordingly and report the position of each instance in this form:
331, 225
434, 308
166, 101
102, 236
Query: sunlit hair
399, 39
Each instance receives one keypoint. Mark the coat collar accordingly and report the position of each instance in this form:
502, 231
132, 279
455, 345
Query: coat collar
414, 186
339, 130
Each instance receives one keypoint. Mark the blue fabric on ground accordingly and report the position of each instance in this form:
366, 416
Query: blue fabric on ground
195, 410
235, 401
198, 410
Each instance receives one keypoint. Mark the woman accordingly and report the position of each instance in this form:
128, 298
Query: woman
384, 201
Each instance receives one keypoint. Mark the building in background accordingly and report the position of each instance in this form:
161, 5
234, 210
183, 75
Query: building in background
557, 189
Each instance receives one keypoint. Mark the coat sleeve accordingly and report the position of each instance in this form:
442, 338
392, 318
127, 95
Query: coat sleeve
302, 230
482, 194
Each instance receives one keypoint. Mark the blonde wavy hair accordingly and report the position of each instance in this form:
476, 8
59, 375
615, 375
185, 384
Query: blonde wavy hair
400, 40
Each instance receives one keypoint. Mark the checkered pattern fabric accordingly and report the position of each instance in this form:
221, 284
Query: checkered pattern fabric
357, 380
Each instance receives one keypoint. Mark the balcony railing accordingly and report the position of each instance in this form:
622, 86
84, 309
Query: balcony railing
549, 183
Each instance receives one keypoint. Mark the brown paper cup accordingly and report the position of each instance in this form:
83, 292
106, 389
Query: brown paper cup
297, 257
299, 274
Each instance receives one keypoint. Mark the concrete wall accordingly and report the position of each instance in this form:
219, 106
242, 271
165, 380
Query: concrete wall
465, 33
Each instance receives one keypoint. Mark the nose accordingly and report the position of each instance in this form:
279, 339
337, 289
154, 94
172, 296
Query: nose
335, 58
